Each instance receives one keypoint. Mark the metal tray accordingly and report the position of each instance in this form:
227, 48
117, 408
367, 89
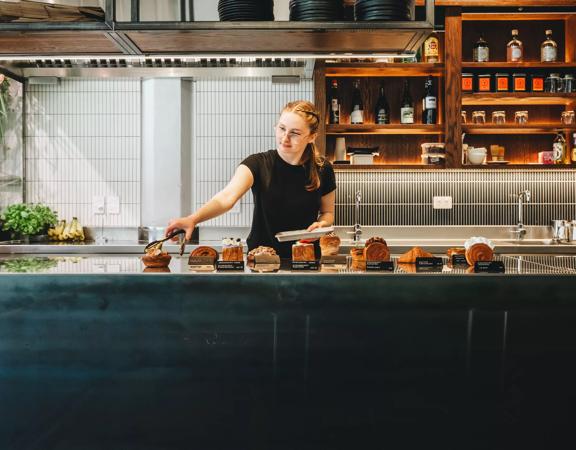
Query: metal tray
296, 235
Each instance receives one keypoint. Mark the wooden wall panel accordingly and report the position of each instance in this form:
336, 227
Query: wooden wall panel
453, 92
56, 43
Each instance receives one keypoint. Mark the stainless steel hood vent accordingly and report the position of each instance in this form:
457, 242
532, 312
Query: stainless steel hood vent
151, 67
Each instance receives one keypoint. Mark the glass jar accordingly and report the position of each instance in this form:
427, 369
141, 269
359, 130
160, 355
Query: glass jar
464, 116
568, 118
554, 83
498, 117
521, 117
479, 117
569, 83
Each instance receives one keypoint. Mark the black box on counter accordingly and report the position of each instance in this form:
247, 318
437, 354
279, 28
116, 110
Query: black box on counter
459, 260
379, 266
489, 267
433, 264
230, 265
305, 265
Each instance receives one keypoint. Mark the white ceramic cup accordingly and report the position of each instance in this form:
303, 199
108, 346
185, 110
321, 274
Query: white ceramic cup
340, 149
477, 155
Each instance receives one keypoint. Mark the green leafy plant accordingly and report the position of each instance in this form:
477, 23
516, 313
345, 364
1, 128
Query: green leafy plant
4, 104
28, 219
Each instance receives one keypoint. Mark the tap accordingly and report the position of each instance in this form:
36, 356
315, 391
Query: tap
357, 227
520, 230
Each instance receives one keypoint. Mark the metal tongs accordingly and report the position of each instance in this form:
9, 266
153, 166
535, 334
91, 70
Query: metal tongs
157, 245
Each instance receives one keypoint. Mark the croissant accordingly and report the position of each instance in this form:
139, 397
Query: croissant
377, 251
329, 244
205, 251
410, 256
479, 252
408, 268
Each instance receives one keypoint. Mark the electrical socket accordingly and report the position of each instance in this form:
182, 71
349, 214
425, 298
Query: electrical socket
442, 202
98, 205
113, 204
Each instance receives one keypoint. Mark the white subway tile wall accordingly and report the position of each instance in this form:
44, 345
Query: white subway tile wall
83, 140
234, 118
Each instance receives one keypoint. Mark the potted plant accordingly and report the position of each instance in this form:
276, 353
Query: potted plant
26, 220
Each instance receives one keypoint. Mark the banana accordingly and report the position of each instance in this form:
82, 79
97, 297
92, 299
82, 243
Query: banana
57, 232
66, 233
79, 231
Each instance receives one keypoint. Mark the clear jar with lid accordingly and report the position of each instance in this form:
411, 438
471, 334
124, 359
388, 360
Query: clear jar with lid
567, 118
479, 117
499, 117
521, 117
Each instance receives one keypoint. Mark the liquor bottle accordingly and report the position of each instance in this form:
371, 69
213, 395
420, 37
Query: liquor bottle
573, 155
407, 105
514, 49
357, 115
548, 49
429, 109
559, 149
481, 51
431, 49
382, 111
334, 106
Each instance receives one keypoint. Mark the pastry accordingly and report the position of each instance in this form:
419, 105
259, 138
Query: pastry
205, 251
303, 251
232, 250
408, 268
261, 250
358, 261
156, 258
479, 252
455, 251
376, 250
329, 244
410, 256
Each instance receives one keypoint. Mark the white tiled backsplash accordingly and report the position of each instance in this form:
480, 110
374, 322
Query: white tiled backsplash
83, 140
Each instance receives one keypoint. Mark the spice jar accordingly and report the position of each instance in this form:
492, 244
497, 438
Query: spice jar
554, 83
467, 82
464, 118
499, 117
537, 83
502, 82
479, 117
519, 82
485, 83
521, 117
569, 83
567, 118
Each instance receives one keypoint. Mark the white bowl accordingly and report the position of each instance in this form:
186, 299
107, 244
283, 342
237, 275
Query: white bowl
477, 155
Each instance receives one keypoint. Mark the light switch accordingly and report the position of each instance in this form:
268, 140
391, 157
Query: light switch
113, 204
98, 205
442, 202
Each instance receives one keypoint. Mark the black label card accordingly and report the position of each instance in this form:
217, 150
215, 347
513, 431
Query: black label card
305, 265
459, 260
489, 267
229, 265
378, 266
334, 260
424, 263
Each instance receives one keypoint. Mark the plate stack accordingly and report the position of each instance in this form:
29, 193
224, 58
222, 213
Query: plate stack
384, 10
229, 10
316, 10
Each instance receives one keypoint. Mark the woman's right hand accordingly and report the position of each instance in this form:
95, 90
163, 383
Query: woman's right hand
183, 223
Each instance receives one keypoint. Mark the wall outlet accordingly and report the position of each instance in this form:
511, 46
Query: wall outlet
442, 202
113, 204
98, 205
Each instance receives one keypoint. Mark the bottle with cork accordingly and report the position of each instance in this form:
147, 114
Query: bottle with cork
431, 49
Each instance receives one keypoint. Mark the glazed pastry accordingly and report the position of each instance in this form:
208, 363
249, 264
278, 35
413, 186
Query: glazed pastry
156, 258
408, 268
232, 250
358, 261
455, 251
329, 244
261, 250
479, 252
376, 250
205, 251
410, 256
303, 251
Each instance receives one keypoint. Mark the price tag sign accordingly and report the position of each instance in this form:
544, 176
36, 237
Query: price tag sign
201, 263
305, 265
429, 264
229, 265
459, 260
489, 267
379, 266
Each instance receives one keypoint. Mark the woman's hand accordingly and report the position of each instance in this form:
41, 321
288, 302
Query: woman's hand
183, 223
315, 225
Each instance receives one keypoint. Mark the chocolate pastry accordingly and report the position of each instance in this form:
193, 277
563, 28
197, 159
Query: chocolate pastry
479, 252
329, 244
410, 256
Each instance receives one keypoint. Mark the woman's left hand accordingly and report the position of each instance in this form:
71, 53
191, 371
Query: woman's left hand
315, 225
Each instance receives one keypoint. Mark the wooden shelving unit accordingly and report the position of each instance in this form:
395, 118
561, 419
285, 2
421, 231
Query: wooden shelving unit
519, 65
516, 129
518, 98
359, 70
384, 129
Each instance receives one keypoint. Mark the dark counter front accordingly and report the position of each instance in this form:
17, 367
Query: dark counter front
283, 361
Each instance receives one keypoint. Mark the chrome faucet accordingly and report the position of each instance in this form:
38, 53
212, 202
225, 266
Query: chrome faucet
357, 227
520, 230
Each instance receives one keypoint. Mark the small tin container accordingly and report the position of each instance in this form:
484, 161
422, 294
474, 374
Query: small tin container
485, 83
502, 82
467, 82
537, 83
519, 82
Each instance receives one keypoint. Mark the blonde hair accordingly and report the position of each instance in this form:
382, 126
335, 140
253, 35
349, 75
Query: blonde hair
311, 158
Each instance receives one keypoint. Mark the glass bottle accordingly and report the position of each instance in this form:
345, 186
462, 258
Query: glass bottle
481, 51
407, 105
514, 49
357, 115
573, 155
429, 106
334, 100
382, 111
548, 49
559, 149
431, 49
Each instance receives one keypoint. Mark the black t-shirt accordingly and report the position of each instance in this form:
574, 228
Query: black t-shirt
281, 200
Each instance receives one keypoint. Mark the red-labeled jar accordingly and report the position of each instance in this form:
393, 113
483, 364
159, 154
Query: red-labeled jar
537, 83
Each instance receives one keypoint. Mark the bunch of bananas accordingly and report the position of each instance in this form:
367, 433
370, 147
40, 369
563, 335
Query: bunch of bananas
67, 231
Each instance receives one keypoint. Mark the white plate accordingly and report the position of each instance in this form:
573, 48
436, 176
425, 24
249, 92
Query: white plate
296, 235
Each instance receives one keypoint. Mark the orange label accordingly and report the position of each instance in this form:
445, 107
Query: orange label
502, 84
484, 84
538, 84
519, 84
467, 84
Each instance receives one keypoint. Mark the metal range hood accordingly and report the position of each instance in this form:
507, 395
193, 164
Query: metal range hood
280, 69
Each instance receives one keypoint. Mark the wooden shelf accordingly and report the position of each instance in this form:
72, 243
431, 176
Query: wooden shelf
384, 129
518, 98
515, 129
525, 16
522, 166
350, 167
518, 65
384, 69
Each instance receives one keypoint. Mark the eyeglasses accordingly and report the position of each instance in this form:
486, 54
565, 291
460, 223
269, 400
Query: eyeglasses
291, 135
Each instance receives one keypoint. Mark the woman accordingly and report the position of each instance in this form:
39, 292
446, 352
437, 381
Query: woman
293, 186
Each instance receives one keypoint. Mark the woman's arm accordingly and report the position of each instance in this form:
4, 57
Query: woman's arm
326, 214
222, 202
